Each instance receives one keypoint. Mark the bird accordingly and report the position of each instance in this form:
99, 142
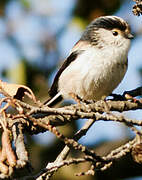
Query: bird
96, 64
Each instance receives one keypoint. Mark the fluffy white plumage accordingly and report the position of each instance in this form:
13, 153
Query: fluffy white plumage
101, 65
95, 73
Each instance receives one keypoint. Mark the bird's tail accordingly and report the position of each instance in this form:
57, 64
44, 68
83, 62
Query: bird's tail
53, 100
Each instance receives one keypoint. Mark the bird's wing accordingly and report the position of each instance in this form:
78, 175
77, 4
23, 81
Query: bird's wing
54, 88
55, 96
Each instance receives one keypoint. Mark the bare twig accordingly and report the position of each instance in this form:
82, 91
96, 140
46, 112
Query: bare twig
62, 156
43, 118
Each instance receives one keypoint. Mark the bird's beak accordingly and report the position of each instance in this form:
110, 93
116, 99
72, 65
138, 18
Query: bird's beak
129, 36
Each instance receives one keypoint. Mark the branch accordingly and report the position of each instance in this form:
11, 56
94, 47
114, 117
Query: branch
38, 118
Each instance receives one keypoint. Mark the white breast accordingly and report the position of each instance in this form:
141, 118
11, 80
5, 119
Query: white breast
95, 73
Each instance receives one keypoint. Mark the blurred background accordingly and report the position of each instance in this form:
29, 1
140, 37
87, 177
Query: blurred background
35, 37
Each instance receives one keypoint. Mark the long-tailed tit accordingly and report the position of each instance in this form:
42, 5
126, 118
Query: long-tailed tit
96, 64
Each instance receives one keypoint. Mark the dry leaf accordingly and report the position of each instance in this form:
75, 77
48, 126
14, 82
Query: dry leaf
17, 91
6, 145
2, 155
3, 168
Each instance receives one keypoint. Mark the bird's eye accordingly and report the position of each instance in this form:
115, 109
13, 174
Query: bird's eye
115, 33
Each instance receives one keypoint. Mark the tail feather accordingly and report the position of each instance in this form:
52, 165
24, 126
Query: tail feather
53, 100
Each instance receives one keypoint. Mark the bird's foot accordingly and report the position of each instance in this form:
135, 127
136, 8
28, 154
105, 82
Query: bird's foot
75, 97
81, 103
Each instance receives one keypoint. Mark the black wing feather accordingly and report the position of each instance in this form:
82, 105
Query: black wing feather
54, 88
